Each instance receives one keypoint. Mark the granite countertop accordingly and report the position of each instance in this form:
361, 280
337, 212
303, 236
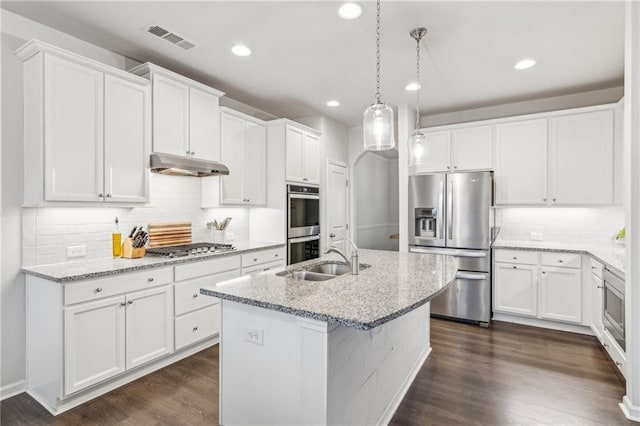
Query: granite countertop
609, 253
395, 284
87, 269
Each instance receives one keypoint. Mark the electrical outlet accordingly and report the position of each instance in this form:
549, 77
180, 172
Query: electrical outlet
253, 335
535, 236
76, 251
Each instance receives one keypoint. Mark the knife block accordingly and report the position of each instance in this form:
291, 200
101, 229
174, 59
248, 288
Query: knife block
130, 252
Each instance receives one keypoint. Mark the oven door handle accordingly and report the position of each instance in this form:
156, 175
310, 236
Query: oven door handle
304, 239
304, 196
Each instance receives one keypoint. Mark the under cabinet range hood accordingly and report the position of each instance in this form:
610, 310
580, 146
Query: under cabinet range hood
175, 165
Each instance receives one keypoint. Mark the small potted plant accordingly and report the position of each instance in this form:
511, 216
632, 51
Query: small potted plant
620, 236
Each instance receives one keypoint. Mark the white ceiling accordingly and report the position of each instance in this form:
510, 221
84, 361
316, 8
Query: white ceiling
304, 54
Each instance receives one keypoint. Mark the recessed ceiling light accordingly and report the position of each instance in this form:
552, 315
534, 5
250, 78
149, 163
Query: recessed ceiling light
350, 10
412, 87
333, 103
241, 50
525, 63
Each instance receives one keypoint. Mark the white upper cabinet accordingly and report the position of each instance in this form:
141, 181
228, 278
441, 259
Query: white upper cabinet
461, 149
127, 114
204, 125
243, 151
186, 114
472, 148
73, 131
521, 162
170, 116
86, 129
302, 155
581, 159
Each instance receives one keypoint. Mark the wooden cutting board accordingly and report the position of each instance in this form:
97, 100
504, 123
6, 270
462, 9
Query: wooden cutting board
169, 234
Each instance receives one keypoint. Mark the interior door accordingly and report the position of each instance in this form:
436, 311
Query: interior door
337, 206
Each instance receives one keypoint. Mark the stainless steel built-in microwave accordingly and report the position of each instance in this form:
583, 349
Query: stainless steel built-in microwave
613, 307
303, 204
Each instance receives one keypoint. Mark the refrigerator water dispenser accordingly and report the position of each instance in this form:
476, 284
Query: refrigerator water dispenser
426, 221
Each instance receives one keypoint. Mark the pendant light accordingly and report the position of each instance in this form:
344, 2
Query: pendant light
417, 141
378, 118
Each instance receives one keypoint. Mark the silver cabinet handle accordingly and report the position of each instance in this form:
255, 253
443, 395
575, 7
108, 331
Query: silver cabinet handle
455, 167
332, 235
195, 295
544, 272
99, 290
515, 258
448, 167
266, 269
554, 200
599, 286
108, 196
544, 200
305, 179
279, 255
195, 328
193, 153
515, 267
248, 200
123, 304
618, 363
150, 279
130, 302
101, 195
605, 346
255, 259
188, 152
560, 261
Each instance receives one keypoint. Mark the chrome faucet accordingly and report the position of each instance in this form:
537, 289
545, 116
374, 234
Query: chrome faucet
354, 264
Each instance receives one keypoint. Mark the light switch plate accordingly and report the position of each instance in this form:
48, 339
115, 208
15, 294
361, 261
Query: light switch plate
254, 335
535, 236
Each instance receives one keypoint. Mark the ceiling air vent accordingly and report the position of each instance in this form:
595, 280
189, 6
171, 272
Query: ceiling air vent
171, 37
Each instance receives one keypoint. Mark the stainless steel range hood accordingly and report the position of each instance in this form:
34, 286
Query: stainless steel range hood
182, 166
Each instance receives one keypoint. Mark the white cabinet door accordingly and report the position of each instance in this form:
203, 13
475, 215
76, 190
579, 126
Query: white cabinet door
294, 154
581, 159
170, 116
437, 154
149, 325
561, 294
256, 171
311, 160
472, 148
521, 162
596, 306
232, 155
73, 131
204, 125
515, 289
94, 343
127, 136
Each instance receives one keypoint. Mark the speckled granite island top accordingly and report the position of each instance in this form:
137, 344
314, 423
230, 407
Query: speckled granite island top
87, 269
395, 284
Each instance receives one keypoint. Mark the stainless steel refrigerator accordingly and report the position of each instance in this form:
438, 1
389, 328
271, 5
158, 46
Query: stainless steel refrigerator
450, 213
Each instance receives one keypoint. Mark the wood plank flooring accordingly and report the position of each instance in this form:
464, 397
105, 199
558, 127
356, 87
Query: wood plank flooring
505, 375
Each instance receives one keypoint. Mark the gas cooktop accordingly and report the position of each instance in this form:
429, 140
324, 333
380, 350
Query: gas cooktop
190, 249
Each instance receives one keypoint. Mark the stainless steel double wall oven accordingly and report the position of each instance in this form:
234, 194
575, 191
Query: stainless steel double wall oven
303, 223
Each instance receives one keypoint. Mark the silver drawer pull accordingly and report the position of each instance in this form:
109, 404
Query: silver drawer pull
619, 364
195, 328
515, 267
266, 269
277, 255
150, 279
600, 286
195, 295
605, 346
123, 304
130, 302
515, 258
560, 261
99, 290
255, 259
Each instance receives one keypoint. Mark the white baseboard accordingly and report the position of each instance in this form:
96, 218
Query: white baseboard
632, 412
387, 415
551, 325
13, 389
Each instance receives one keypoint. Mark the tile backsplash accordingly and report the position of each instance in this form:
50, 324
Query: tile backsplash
558, 224
47, 231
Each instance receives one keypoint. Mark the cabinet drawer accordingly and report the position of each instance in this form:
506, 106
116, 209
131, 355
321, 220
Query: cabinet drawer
121, 283
568, 260
260, 257
516, 256
207, 267
252, 270
596, 268
197, 325
188, 297
615, 352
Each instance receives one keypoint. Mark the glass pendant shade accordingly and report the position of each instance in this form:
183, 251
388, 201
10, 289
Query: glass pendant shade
378, 127
417, 148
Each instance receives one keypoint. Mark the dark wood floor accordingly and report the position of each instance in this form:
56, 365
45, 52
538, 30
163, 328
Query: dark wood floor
505, 375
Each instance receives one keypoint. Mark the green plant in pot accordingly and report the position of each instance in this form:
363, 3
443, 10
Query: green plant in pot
620, 235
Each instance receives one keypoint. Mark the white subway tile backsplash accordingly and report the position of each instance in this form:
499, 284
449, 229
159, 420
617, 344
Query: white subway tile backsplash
48, 231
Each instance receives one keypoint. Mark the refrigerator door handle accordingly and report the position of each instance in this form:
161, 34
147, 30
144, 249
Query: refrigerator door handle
441, 203
449, 210
449, 252
471, 276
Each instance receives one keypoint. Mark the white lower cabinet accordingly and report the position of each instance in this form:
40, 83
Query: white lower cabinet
543, 287
597, 287
561, 294
516, 289
198, 325
94, 342
263, 260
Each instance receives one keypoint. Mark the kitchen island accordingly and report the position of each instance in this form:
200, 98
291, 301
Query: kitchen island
340, 351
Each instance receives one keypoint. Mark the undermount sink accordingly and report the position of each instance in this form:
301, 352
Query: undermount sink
321, 272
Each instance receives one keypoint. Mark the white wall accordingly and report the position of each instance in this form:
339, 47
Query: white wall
582, 224
576, 100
